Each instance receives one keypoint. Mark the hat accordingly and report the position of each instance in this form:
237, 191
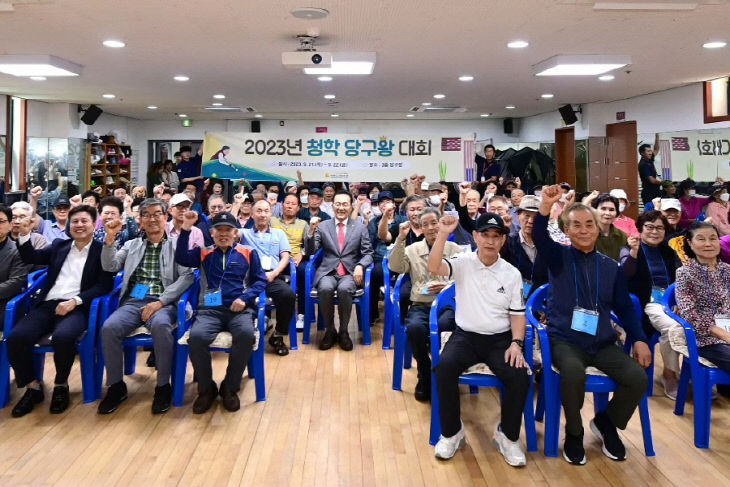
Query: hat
716, 188
619, 194
247, 198
289, 184
489, 220
186, 148
62, 202
530, 203
385, 195
425, 186
434, 186
671, 203
667, 183
179, 198
316, 191
223, 219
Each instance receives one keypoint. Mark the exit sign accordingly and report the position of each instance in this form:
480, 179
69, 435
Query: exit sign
620, 115
187, 123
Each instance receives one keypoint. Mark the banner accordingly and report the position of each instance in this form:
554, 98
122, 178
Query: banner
332, 157
702, 155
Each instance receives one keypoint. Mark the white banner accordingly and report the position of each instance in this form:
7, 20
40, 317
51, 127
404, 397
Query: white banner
702, 155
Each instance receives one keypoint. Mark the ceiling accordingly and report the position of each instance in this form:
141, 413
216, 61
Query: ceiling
234, 47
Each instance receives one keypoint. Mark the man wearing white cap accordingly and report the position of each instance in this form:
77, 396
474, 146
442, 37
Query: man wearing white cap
623, 222
179, 204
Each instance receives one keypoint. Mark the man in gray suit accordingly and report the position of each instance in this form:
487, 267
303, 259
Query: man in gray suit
347, 252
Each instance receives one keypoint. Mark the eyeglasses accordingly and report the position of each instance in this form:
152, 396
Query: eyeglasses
217, 207
147, 216
654, 228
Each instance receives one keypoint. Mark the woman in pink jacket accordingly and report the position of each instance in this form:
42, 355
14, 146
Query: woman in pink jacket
717, 210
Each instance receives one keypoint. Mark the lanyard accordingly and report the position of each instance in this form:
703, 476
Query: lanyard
225, 266
646, 256
709, 292
575, 271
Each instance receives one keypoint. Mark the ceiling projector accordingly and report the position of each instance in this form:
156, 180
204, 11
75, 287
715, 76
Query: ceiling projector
306, 59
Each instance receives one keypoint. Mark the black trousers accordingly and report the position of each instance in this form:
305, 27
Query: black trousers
376, 281
465, 349
279, 290
301, 281
418, 330
35, 325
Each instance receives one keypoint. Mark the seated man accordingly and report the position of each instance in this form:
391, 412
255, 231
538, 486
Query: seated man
274, 252
490, 328
52, 230
231, 280
75, 279
384, 216
22, 212
584, 287
216, 204
179, 204
112, 209
151, 286
413, 259
314, 208
347, 252
13, 271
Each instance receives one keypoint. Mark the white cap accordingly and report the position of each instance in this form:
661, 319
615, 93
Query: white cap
619, 194
671, 203
290, 184
424, 186
179, 198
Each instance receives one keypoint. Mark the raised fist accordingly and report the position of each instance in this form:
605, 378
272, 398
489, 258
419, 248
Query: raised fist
112, 228
448, 224
128, 200
551, 194
238, 198
158, 190
189, 219
634, 241
75, 200
36, 192
403, 230
464, 187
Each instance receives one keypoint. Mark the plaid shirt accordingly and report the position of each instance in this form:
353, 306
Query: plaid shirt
129, 231
148, 271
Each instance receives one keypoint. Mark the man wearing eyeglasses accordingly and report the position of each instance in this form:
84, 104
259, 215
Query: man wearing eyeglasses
151, 286
179, 204
13, 271
22, 211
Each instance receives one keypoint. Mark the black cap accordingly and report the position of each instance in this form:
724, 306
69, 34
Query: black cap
224, 219
316, 191
385, 195
62, 202
489, 220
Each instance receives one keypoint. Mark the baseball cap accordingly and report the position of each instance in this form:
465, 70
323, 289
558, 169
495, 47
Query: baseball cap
424, 186
179, 198
434, 186
316, 191
619, 194
489, 220
385, 195
530, 203
290, 184
671, 203
666, 183
62, 202
223, 219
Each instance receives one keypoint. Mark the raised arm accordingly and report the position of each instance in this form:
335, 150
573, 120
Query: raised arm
436, 264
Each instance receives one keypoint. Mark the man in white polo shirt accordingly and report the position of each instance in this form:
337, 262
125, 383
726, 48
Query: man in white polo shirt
490, 328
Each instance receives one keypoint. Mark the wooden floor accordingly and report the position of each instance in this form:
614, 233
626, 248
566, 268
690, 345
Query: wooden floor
330, 418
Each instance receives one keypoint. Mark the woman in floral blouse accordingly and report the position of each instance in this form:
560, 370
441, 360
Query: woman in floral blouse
703, 294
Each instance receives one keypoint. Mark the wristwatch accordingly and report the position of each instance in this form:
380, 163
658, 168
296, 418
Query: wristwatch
519, 342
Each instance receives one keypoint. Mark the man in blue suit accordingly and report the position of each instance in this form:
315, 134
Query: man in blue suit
75, 278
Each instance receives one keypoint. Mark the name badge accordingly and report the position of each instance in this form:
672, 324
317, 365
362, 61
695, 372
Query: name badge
657, 294
214, 298
266, 262
526, 287
140, 291
723, 321
585, 321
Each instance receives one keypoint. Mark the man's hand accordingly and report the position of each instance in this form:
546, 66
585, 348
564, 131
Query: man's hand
270, 276
634, 241
436, 287
238, 198
75, 201
238, 305
518, 182
128, 200
200, 150
189, 219
298, 258
36, 193
448, 224
587, 200
507, 219
657, 203
206, 183
570, 197
112, 229
389, 212
66, 307
299, 174
158, 190
26, 225
464, 187
514, 356
150, 309
403, 230
641, 353
357, 275
313, 224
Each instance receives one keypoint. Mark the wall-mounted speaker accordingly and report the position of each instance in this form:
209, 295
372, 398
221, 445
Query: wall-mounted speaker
91, 114
509, 125
568, 114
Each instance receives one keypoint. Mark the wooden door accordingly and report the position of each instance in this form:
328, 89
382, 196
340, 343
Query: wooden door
623, 163
565, 155
597, 164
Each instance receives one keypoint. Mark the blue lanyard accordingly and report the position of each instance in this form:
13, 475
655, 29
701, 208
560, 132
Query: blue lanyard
709, 292
225, 266
575, 271
646, 254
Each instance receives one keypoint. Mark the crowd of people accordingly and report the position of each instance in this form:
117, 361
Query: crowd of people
496, 241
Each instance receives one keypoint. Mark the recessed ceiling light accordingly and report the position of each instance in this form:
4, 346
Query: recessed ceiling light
410, 115
426, 104
108, 95
217, 104
335, 115
588, 65
38, 78
258, 115
219, 96
518, 44
325, 78
182, 115
606, 77
510, 107
38, 65
439, 96
547, 96
466, 77
329, 97
181, 77
309, 13
484, 115
114, 44
714, 44
152, 107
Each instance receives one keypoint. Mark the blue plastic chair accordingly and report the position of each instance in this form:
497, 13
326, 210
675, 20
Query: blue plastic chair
703, 378
701, 217
361, 300
447, 298
402, 354
549, 395
388, 328
255, 363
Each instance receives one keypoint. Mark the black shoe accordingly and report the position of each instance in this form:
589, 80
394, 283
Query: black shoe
573, 450
328, 340
151, 359
423, 389
28, 402
205, 399
230, 399
603, 427
162, 399
277, 343
345, 341
59, 399
115, 395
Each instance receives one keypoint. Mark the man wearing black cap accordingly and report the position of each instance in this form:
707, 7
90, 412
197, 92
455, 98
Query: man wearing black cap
490, 319
381, 221
231, 278
314, 210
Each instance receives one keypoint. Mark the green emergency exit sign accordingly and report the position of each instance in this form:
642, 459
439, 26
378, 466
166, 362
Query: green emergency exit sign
187, 123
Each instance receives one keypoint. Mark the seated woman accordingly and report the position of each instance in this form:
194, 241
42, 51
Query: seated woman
624, 223
649, 265
702, 295
610, 239
691, 205
717, 210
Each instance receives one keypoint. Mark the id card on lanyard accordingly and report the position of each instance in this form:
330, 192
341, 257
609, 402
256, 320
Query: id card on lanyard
585, 320
214, 298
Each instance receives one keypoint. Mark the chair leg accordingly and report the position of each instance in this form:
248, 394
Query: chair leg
130, 359
530, 432
363, 316
552, 416
387, 324
600, 401
98, 371
88, 384
293, 333
178, 379
407, 354
4, 376
540, 406
260, 378
398, 359
308, 318
646, 426
703, 412
435, 421
682, 390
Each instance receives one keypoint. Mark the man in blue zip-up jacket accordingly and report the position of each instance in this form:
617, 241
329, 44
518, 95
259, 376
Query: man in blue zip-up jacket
231, 280
584, 287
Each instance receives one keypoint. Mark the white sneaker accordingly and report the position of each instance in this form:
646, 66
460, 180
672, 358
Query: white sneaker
670, 387
510, 450
300, 322
446, 447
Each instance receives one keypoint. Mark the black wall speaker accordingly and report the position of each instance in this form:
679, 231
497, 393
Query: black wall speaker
255, 125
91, 114
566, 111
509, 125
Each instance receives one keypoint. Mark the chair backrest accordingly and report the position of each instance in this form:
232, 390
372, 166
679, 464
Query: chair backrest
670, 301
536, 303
447, 297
